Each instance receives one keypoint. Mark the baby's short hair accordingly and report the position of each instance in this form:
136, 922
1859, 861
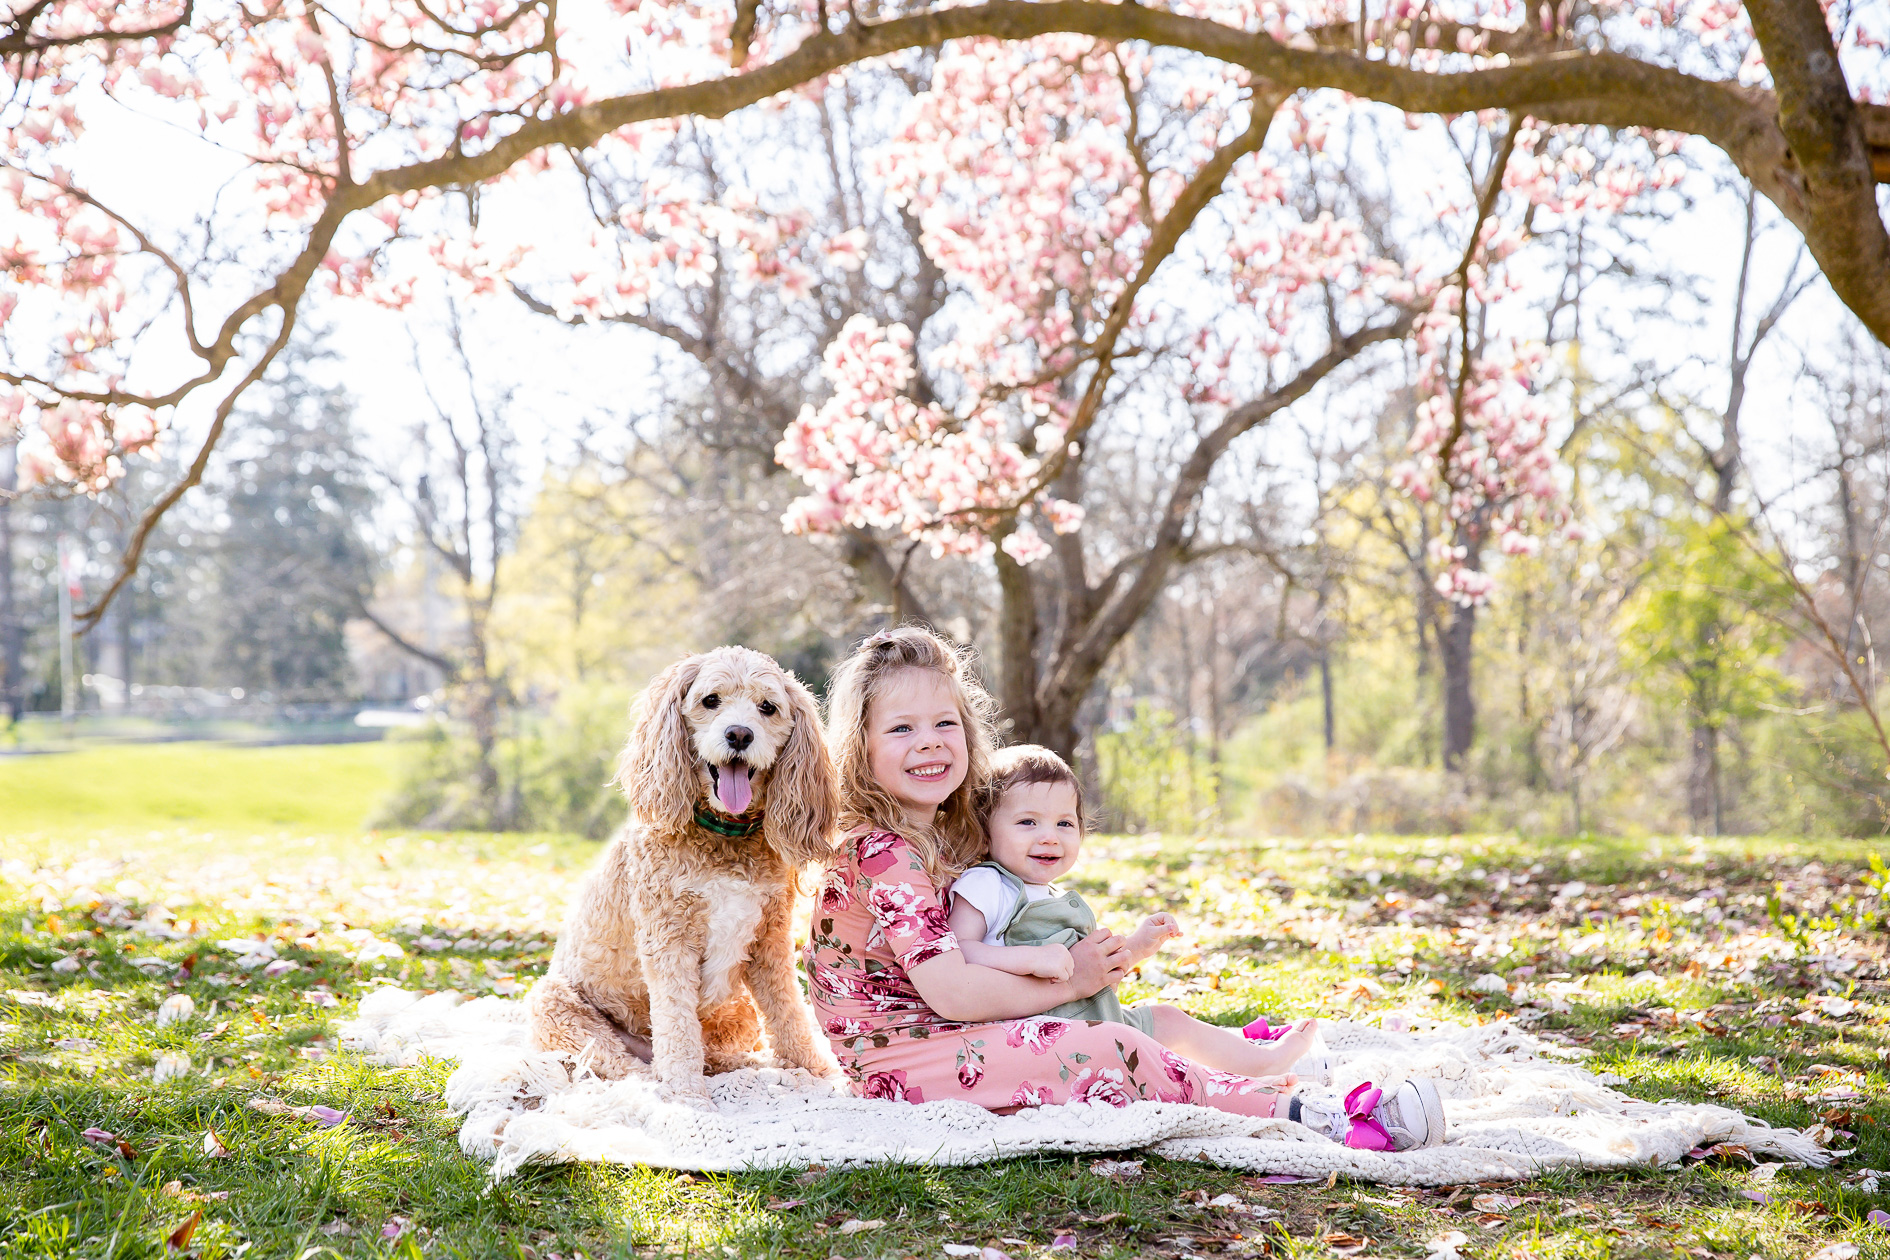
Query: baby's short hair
1023, 764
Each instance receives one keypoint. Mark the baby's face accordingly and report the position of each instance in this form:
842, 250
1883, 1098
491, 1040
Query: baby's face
1035, 833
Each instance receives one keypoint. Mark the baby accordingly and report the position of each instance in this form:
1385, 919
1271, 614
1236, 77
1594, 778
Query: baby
1008, 914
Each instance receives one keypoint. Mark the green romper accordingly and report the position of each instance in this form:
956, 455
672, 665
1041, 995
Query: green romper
1064, 920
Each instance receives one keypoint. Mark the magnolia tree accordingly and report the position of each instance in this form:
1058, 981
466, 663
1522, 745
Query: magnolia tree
1069, 163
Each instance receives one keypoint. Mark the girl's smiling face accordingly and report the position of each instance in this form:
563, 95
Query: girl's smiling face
915, 741
1035, 832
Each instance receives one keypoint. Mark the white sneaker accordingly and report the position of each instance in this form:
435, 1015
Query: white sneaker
1369, 1119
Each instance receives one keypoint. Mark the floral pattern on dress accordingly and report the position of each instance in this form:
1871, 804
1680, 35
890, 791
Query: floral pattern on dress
1176, 1069
877, 915
1038, 1034
1031, 1094
1106, 1087
891, 1086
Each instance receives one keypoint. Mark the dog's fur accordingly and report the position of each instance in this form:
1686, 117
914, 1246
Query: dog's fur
677, 948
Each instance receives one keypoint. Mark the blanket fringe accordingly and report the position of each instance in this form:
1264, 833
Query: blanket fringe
1513, 1111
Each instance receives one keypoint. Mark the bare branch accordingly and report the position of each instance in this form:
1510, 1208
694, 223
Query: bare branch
441, 663
134, 549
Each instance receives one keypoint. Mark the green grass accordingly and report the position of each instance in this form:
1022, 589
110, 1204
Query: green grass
1284, 927
209, 787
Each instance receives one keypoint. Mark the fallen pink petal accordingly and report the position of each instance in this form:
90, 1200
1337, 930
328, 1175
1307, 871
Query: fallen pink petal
96, 1134
1063, 1240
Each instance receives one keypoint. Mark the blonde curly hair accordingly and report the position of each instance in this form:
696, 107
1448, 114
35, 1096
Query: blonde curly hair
955, 839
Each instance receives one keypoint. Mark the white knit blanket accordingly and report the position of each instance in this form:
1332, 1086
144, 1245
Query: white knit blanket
1512, 1112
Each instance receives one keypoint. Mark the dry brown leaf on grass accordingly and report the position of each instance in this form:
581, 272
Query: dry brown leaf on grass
175, 1190
857, 1226
325, 1117
1358, 989
1837, 1251
180, 1237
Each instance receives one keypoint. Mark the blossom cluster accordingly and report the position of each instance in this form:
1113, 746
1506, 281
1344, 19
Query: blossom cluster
1043, 175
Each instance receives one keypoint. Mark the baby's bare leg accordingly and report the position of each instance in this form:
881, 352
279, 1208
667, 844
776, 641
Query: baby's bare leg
1225, 1050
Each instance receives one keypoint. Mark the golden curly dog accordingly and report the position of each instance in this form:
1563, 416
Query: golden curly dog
682, 930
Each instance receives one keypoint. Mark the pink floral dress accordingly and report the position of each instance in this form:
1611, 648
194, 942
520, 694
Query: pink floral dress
878, 914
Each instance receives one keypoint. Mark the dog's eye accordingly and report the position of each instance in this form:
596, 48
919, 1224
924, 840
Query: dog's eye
767, 708
711, 701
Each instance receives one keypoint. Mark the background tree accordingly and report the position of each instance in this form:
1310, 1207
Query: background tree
1702, 628
460, 490
292, 552
464, 103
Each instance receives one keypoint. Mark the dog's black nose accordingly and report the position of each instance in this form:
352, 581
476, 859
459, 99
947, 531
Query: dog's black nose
739, 737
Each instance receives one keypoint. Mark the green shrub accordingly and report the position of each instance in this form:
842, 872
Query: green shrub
1819, 774
553, 770
1155, 776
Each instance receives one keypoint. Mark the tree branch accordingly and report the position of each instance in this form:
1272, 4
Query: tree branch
86, 618
1127, 602
441, 663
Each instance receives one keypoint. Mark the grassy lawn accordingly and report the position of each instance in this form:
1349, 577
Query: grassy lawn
122, 875
207, 787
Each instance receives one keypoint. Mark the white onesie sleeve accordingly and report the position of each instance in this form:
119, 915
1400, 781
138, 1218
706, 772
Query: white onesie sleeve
987, 892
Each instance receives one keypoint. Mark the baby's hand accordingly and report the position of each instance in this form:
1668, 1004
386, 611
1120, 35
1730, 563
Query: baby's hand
1163, 926
1154, 930
1052, 962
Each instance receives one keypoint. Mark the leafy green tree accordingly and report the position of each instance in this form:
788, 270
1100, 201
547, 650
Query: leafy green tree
293, 562
1701, 633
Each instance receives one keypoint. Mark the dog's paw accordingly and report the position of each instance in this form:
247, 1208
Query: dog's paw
827, 1069
690, 1087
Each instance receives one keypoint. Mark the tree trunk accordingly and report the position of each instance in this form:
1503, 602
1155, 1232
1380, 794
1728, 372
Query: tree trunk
1704, 810
1460, 710
1019, 632
1053, 727
12, 683
127, 639
1325, 695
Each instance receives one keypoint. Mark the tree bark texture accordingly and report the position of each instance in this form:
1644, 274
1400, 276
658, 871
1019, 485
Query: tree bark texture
1705, 811
1460, 708
1325, 698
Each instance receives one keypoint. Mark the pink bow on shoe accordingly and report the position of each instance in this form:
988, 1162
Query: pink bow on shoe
1260, 1030
1365, 1134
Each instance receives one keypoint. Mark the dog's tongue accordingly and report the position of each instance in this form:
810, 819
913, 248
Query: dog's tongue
734, 787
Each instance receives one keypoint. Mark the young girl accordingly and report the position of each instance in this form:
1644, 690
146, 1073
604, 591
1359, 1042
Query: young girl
1007, 913
910, 1016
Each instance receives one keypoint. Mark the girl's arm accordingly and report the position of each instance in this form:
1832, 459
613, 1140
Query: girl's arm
961, 990
909, 911
1048, 962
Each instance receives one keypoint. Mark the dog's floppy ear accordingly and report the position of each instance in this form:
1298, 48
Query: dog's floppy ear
657, 768
803, 791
